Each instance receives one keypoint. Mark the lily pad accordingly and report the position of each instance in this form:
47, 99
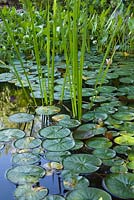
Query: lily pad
53, 132
56, 156
98, 142
122, 149
69, 123
62, 144
82, 163
25, 158
78, 145
118, 169
21, 117
28, 192
10, 134
59, 117
25, 174
84, 131
120, 185
114, 161
54, 197
89, 194
47, 110
27, 143
124, 140
126, 115
72, 181
130, 165
94, 116
104, 153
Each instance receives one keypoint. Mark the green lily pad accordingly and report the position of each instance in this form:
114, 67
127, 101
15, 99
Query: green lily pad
47, 110
104, 153
120, 185
106, 89
69, 123
122, 149
94, 116
59, 117
21, 117
27, 143
25, 174
131, 155
124, 140
126, 115
82, 163
98, 142
78, 145
118, 169
84, 131
25, 158
54, 197
53, 132
28, 192
89, 194
56, 156
127, 80
130, 165
62, 144
114, 161
99, 98
10, 134
72, 181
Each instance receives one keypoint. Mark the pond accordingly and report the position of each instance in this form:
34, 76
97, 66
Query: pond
101, 147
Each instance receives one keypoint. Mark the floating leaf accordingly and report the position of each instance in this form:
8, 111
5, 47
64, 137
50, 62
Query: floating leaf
69, 123
30, 193
118, 169
78, 145
104, 153
126, 115
21, 117
25, 158
114, 161
57, 156
88, 193
53, 132
25, 174
130, 165
72, 180
94, 116
62, 144
27, 143
124, 140
122, 149
98, 142
10, 134
59, 117
120, 185
82, 163
47, 110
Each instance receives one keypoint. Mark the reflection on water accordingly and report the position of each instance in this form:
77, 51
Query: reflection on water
6, 187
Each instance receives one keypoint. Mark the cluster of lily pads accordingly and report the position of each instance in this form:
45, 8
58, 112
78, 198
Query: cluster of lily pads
75, 150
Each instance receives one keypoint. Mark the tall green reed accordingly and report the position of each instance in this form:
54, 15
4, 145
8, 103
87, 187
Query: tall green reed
9, 31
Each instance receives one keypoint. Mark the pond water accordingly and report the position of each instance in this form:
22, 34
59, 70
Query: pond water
13, 101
